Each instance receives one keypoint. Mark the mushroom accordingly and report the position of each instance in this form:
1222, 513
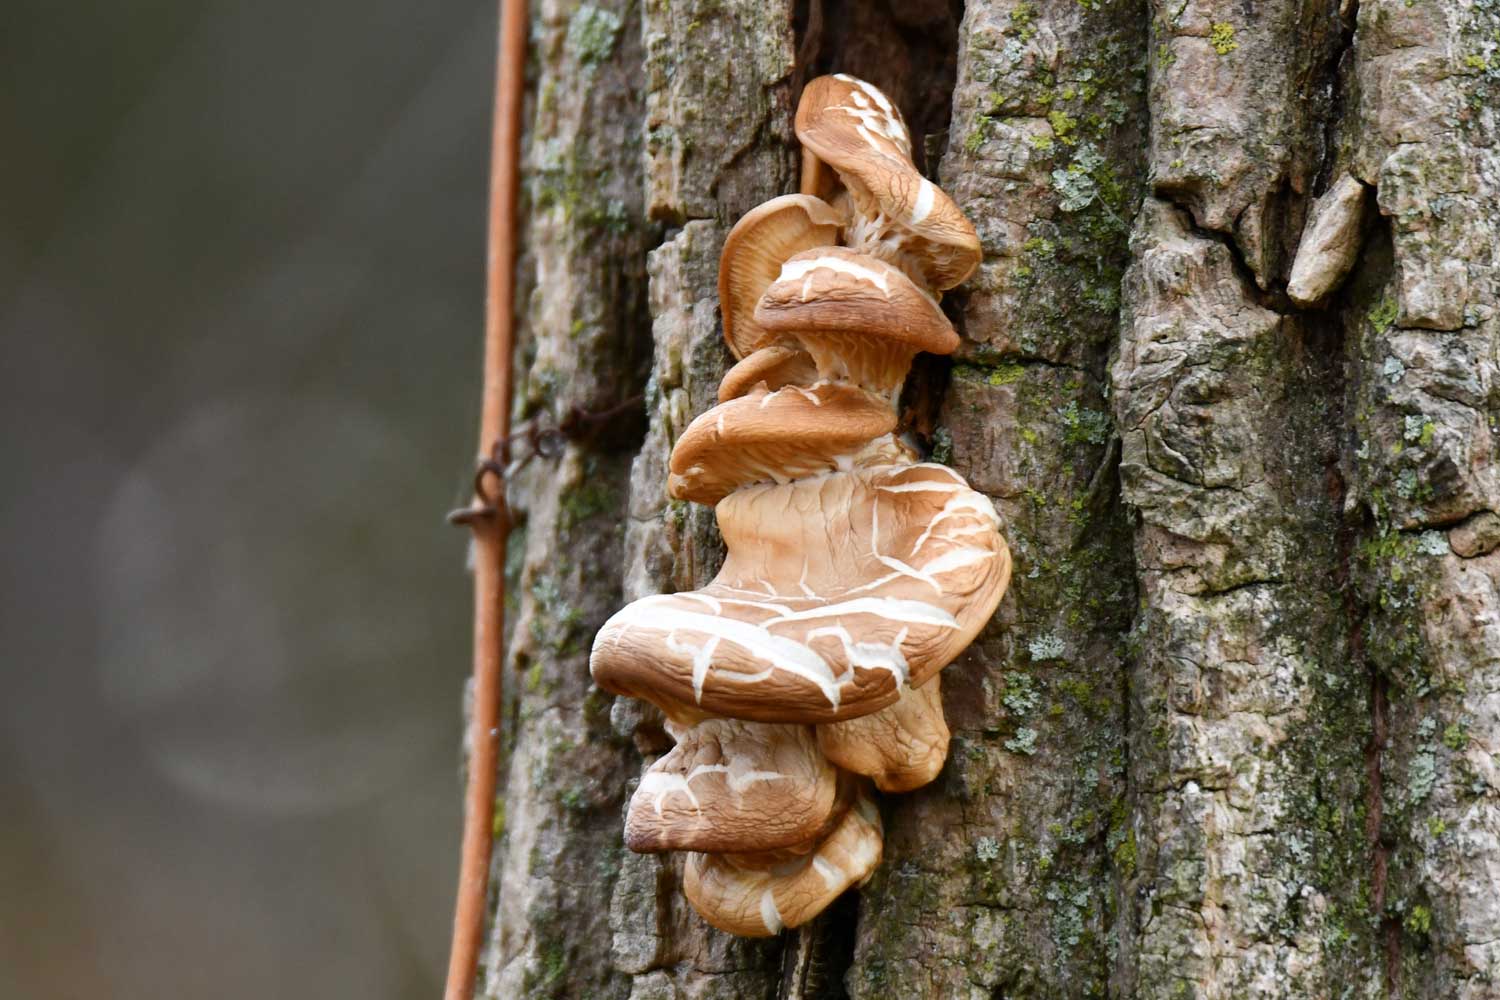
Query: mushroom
899, 215
774, 367
861, 319
753, 253
902, 747
853, 573
756, 896
734, 786
774, 436
816, 619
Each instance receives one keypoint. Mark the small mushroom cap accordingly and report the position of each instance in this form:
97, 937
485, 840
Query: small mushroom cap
777, 436
734, 786
752, 898
753, 253
854, 128
902, 747
836, 592
860, 318
774, 367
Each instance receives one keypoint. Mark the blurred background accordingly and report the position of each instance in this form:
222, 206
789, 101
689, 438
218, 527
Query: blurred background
241, 257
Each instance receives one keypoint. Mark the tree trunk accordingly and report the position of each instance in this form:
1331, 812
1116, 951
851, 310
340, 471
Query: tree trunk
1235, 730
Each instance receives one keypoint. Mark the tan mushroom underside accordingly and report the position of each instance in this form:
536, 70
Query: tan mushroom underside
775, 436
815, 619
902, 747
733, 786
753, 899
753, 254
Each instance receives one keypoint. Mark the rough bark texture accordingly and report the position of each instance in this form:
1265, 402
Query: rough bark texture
1235, 731
584, 339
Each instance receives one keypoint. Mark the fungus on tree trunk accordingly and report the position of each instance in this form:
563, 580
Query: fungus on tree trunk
854, 573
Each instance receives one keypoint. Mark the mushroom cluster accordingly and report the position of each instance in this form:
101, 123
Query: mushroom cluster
808, 669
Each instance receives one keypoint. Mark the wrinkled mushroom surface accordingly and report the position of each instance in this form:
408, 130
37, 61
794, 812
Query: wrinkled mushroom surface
902, 747
814, 618
748, 897
730, 785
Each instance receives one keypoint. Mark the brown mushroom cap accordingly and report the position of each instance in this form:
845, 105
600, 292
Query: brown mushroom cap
753, 253
853, 127
752, 898
836, 592
776, 366
774, 437
734, 786
860, 318
902, 747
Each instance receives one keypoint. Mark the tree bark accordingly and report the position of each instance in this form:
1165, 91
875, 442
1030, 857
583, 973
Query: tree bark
1235, 730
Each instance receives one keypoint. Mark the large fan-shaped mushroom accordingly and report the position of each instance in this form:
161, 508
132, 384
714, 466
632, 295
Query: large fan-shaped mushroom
815, 618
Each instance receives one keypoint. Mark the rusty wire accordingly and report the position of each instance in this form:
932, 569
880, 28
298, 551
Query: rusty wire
485, 518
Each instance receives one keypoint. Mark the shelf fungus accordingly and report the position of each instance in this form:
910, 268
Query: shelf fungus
806, 672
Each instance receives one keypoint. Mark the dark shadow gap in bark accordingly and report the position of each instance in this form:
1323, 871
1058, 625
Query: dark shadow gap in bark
1339, 321
1336, 79
814, 962
1356, 614
1273, 299
1373, 270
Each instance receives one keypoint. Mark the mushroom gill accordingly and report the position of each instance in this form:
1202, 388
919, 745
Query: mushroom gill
861, 319
808, 667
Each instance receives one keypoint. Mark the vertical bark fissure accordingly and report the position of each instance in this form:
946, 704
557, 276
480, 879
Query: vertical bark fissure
997, 878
